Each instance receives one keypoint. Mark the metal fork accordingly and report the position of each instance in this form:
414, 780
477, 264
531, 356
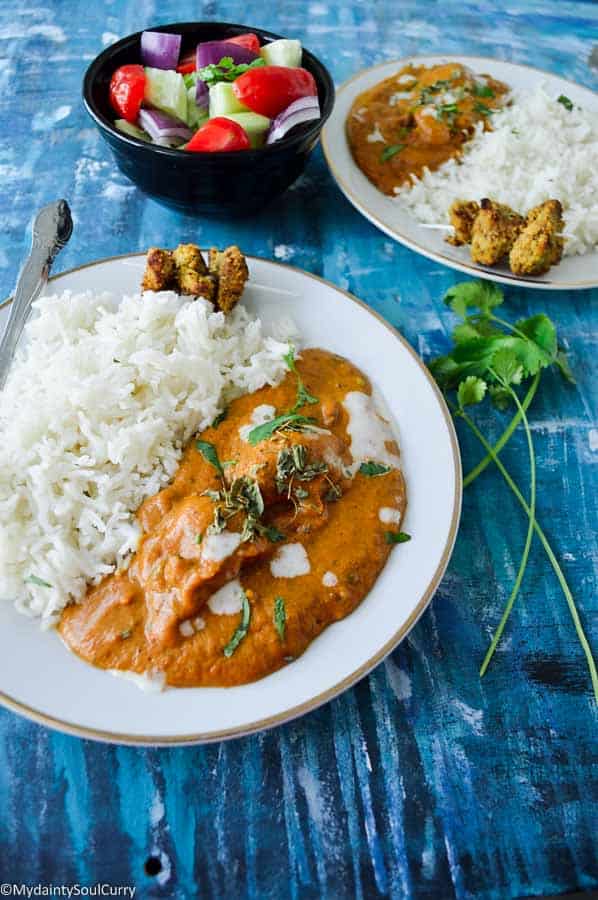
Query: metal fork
51, 230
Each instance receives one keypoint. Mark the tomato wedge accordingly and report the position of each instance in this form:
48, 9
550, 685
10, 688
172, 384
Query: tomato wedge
250, 41
270, 89
127, 88
187, 64
219, 135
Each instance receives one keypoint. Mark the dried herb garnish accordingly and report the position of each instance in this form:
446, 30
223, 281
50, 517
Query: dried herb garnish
292, 464
280, 617
210, 454
273, 533
371, 468
391, 151
34, 579
243, 497
199, 537
564, 101
242, 628
334, 492
396, 537
124, 635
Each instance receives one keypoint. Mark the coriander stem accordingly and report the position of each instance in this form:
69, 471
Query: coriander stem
549, 552
505, 436
528, 538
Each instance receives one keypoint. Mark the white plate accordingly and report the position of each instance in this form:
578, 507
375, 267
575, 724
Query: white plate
41, 679
384, 212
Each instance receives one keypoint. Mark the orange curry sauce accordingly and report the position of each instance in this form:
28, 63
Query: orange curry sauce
418, 119
319, 546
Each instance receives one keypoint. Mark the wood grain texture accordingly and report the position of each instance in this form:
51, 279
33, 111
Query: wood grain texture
422, 781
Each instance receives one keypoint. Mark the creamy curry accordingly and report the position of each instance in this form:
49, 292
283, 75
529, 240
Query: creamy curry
271, 529
417, 119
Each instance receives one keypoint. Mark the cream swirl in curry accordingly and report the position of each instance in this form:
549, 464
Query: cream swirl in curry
277, 523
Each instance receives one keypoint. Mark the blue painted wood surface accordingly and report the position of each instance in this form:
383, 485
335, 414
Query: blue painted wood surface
422, 781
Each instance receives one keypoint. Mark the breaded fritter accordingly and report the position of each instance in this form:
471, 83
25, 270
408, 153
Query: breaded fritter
159, 272
230, 268
191, 272
184, 270
495, 230
539, 245
462, 214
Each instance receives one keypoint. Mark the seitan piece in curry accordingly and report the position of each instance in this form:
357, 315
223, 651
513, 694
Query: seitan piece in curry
539, 245
230, 268
494, 231
159, 272
462, 214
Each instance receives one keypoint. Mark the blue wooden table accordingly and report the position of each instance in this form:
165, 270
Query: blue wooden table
422, 781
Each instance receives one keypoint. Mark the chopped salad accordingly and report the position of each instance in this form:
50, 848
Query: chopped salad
226, 95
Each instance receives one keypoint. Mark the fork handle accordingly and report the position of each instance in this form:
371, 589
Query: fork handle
51, 231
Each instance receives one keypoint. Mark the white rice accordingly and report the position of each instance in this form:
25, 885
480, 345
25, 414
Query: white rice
537, 150
99, 403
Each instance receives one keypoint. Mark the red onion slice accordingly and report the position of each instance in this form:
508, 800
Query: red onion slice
305, 109
202, 94
160, 50
163, 129
211, 52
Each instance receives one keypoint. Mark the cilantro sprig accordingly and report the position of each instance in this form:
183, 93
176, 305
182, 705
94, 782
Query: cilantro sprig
291, 420
225, 70
492, 358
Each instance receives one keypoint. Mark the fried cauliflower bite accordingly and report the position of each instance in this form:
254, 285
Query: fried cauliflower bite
495, 230
462, 214
192, 273
539, 245
159, 272
230, 269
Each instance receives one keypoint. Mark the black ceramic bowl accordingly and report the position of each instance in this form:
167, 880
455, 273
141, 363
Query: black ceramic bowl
221, 184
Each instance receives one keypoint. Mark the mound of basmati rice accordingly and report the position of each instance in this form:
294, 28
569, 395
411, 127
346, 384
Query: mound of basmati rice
99, 403
538, 149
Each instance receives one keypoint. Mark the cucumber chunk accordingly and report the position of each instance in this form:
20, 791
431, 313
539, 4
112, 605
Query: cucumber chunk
165, 90
282, 53
254, 125
223, 101
131, 130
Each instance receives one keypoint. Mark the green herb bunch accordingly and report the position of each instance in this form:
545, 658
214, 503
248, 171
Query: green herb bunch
496, 360
225, 70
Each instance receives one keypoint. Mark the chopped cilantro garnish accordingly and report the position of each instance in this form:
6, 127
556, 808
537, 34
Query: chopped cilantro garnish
242, 628
225, 70
396, 537
280, 617
564, 101
391, 151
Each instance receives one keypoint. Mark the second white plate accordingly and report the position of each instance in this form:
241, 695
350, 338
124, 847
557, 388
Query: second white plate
573, 272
